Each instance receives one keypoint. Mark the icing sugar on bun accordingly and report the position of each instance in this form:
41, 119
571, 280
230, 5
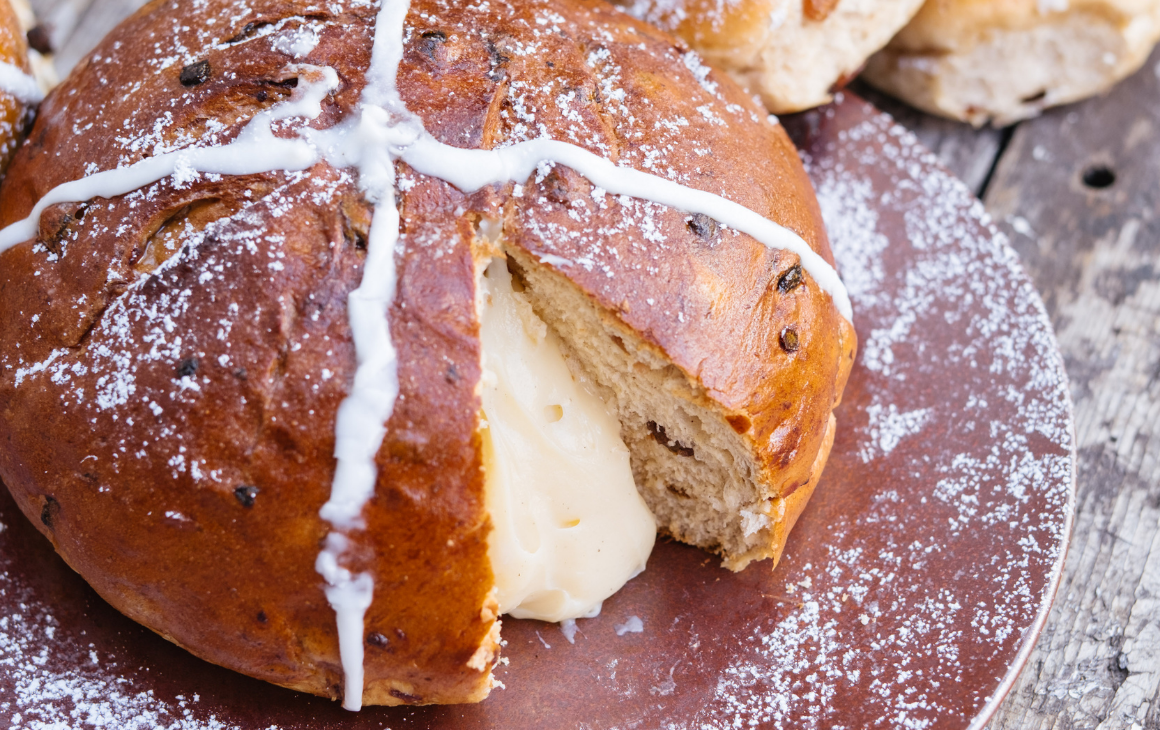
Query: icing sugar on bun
19, 91
791, 52
1006, 60
326, 336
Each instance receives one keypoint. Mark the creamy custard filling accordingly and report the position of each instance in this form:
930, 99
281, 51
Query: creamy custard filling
569, 527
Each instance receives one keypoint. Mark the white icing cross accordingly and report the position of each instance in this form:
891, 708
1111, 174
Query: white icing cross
383, 132
19, 84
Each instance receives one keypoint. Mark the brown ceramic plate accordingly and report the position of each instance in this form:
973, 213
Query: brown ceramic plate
912, 589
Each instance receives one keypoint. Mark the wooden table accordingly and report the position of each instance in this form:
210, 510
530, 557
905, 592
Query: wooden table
1078, 192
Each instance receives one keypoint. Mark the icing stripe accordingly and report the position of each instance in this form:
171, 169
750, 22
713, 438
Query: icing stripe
19, 84
256, 150
363, 415
470, 170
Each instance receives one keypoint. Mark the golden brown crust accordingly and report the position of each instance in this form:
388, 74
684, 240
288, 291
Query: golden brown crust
234, 584
819, 10
794, 502
793, 505
163, 350
13, 112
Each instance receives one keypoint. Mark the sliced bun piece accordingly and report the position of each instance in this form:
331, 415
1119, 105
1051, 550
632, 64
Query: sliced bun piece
1000, 61
40, 59
15, 71
793, 53
173, 360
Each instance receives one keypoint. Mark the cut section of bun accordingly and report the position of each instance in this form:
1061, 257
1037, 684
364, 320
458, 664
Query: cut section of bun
693, 458
793, 53
569, 528
1001, 61
174, 360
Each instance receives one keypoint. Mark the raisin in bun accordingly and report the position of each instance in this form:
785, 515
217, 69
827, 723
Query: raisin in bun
1006, 60
18, 90
173, 359
793, 53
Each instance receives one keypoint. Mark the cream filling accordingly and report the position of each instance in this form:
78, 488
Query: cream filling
569, 527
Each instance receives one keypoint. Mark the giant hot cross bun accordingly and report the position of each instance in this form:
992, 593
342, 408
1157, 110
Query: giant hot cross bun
177, 350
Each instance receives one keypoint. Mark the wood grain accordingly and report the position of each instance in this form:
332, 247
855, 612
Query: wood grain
1094, 253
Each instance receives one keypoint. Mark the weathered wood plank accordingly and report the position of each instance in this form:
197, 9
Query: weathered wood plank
1078, 191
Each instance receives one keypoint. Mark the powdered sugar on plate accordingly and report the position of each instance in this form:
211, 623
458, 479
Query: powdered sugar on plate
54, 680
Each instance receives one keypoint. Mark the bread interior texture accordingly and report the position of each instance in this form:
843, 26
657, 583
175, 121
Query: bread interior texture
692, 469
1003, 74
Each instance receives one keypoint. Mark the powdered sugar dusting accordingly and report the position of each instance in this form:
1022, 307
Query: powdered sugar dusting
888, 426
93, 692
631, 625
